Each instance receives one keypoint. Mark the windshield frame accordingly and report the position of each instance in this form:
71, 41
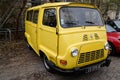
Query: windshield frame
79, 25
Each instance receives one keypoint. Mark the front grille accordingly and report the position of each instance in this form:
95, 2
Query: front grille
91, 56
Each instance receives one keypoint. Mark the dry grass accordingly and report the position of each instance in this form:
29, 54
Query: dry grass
9, 49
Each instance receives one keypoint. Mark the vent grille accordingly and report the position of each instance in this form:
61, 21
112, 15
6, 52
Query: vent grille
85, 37
96, 36
91, 56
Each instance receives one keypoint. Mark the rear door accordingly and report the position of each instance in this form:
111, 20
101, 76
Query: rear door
31, 27
34, 29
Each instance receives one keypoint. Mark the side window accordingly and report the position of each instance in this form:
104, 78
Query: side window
49, 17
29, 15
35, 16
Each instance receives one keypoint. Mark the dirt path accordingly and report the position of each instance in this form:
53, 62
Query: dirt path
17, 62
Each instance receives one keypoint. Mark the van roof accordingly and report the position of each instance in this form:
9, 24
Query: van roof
55, 4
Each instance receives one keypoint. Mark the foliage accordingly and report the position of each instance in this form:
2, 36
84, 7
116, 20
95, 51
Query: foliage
103, 5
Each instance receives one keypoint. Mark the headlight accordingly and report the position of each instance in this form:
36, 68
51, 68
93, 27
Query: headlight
74, 52
107, 47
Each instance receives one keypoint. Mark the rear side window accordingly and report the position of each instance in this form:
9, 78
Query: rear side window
35, 16
49, 17
29, 15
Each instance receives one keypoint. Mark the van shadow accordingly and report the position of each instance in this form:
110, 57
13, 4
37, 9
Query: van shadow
78, 75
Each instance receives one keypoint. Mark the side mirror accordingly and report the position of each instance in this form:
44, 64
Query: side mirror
114, 26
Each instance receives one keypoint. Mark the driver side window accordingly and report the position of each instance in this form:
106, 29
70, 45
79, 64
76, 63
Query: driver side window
49, 17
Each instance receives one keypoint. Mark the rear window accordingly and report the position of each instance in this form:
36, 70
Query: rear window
32, 16
35, 16
29, 15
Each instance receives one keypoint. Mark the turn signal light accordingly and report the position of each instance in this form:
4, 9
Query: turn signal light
63, 62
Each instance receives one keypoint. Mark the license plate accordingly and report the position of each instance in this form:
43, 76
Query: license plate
92, 68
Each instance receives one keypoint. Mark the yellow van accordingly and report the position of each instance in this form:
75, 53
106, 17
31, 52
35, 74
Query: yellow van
68, 36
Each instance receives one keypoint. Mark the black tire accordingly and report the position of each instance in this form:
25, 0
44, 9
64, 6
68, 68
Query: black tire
113, 51
47, 65
28, 44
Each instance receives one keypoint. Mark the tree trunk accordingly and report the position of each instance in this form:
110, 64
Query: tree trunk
93, 2
19, 15
117, 12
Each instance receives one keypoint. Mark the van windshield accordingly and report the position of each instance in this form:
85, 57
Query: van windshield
79, 16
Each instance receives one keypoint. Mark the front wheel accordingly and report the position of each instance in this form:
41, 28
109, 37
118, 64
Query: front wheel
113, 51
47, 65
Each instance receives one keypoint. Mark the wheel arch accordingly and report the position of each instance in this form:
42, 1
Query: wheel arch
42, 53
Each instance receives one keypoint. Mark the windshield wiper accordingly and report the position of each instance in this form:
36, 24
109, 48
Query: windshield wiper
72, 23
89, 22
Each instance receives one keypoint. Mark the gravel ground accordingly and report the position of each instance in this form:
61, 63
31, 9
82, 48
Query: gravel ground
17, 62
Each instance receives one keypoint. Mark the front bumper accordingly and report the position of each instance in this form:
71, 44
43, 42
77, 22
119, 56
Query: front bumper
88, 68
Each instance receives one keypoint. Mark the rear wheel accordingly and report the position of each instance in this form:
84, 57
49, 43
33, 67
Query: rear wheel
28, 44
